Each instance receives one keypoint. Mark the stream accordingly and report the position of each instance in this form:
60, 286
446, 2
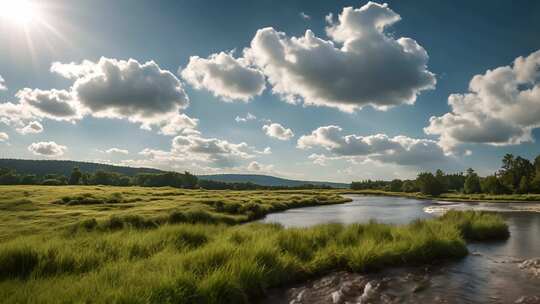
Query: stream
493, 272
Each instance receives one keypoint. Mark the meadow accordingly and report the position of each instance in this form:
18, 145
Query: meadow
164, 245
27, 210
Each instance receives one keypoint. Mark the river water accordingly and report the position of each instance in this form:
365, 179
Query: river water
490, 274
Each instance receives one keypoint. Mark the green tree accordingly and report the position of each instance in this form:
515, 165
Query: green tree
75, 176
85, 179
537, 164
472, 182
428, 184
189, 180
409, 186
29, 179
395, 185
492, 185
513, 169
103, 178
535, 183
9, 177
441, 178
524, 185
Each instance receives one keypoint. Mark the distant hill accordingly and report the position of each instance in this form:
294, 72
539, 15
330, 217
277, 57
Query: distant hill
266, 180
42, 167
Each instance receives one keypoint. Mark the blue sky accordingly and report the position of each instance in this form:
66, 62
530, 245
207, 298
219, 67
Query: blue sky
460, 39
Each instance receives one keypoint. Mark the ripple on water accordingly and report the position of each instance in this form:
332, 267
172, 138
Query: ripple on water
493, 207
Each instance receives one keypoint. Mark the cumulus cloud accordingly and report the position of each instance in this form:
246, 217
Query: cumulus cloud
258, 167
248, 117
52, 104
179, 123
125, 89
278, 131
218, 152
2, 84
48, 149
192, 150
31, 128
15, 114
109, 88
116, 151
502, 107
369, 68
3, 137
225, 76
400, 150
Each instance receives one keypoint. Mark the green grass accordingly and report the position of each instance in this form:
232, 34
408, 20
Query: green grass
192, 257
190, 263
28, 210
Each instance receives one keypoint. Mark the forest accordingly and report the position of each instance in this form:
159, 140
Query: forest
184, 180
517, 175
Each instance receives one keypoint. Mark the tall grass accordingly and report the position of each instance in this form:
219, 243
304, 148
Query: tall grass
216, 263
30, 210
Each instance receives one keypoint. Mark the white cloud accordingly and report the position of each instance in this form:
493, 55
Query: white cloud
110, 88
276, 130
15, 115
319, 159
125, 89
32, 127
370, 67
258, 167
52, 104
248, 117
3, 137
217, 152
49, 149
178, 123
3, 86
116, 151
305, 16
225, 76
266, 151
502, 107
207, 154
400, 150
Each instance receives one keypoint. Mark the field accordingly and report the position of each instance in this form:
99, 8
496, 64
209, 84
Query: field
28, 210
161, 245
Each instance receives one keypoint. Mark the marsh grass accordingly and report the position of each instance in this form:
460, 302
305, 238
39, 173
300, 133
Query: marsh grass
218, 263
30, 210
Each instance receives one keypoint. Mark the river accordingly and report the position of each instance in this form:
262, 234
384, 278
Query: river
490, 274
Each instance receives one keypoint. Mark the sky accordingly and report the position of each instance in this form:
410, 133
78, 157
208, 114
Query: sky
313, 90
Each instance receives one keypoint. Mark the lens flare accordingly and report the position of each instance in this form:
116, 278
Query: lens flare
19, 12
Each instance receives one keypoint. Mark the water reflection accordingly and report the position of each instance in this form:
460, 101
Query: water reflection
393, 210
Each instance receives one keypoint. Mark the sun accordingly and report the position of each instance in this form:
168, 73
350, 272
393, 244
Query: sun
19, 12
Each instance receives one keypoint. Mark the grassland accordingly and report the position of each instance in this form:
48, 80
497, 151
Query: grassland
93, 245
456, 197
27, 210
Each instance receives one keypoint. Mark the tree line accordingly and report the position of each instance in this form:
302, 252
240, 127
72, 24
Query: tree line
517, 175
184, 180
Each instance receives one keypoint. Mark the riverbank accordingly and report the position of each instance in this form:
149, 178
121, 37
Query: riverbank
453, 197
208, 263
